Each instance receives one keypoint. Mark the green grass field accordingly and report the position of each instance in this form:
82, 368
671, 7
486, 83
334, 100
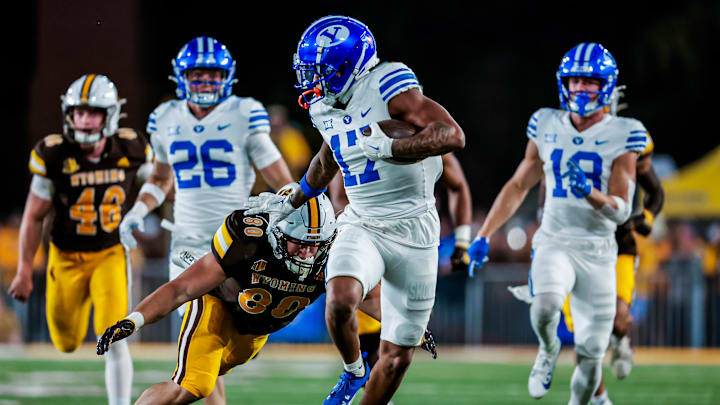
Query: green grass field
277, 382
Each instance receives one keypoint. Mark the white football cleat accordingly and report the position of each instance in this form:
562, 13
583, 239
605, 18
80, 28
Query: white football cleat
620, 357
542, 372
602, 399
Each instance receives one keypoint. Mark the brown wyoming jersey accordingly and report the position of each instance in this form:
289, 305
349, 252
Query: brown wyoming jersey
264, 295
90, 198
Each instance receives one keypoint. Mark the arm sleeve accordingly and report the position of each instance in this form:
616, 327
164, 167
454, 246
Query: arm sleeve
397, 78
42, 187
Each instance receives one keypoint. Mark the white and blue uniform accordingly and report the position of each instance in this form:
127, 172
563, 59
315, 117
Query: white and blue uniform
390, 229
574, 248
212, 161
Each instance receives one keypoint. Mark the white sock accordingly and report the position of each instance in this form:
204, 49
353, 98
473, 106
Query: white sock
356, 368
118, 373
585, 380
604, 395
545, 317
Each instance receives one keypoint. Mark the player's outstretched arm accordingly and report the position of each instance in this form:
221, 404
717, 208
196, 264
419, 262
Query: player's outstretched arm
320, 173
198, 279
439, 135
513, 193
36, 209
654, 195
460, 206
151, 195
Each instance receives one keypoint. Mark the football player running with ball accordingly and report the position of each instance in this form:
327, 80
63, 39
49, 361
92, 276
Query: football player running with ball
86, 175
588, 159
390, 230
205, 145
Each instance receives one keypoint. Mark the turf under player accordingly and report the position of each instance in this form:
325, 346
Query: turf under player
390, 230
574, 248
87, 175
205, 144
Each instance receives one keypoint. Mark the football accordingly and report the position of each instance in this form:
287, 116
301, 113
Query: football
396, 129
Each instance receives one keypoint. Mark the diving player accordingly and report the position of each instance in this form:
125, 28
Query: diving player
390, 229
87, 175
588, 159
254, 283
205, 144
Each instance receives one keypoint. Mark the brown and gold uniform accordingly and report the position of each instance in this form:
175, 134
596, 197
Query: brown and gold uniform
86, 262
230, 325
627, 247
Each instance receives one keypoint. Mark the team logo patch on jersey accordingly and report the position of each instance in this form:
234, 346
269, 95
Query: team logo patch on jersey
320, 276
347, 119
70, 166
198, 128
550, 138
259, 265
577, 140
328, 124
173, 130
123, 162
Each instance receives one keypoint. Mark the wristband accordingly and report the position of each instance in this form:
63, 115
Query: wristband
154, 191
140, 208
462, 236
138, 319
308, 190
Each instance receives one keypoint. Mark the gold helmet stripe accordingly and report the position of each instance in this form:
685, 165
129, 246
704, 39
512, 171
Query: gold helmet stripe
314, 213
86, 87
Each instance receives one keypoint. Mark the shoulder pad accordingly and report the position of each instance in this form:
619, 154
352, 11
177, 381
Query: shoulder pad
43, 152
636, 136
393, 78
157, 114
127, 133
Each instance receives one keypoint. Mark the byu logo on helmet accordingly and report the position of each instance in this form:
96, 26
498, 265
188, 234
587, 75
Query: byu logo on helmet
587, 59
333, 53
332, 35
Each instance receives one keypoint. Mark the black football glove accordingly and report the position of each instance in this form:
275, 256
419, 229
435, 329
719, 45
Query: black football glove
428, 343
459, 259
119, 331
643, 223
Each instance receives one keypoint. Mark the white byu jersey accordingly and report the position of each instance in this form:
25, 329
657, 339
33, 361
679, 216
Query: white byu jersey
594, 150
211, 159
376, 189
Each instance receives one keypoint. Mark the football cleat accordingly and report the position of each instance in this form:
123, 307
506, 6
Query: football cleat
620, 356
542, 372
602, 399
428, 343
346, 388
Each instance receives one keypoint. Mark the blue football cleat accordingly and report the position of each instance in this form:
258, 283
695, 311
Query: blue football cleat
346, 388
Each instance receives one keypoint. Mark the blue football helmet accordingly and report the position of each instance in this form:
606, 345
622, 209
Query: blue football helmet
333, 53
203, 52
587, 59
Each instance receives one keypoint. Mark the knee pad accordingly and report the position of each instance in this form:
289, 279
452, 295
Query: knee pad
547, 305
593, 347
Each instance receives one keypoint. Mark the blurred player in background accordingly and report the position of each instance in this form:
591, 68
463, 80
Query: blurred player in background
87, 175
645, 210
574, 248
255, 282
390, 229
204, 144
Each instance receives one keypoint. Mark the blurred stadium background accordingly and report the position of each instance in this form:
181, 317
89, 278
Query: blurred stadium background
491, 67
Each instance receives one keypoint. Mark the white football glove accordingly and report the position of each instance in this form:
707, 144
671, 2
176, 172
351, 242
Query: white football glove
377, 145
277, 206
133, 220
521, 292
